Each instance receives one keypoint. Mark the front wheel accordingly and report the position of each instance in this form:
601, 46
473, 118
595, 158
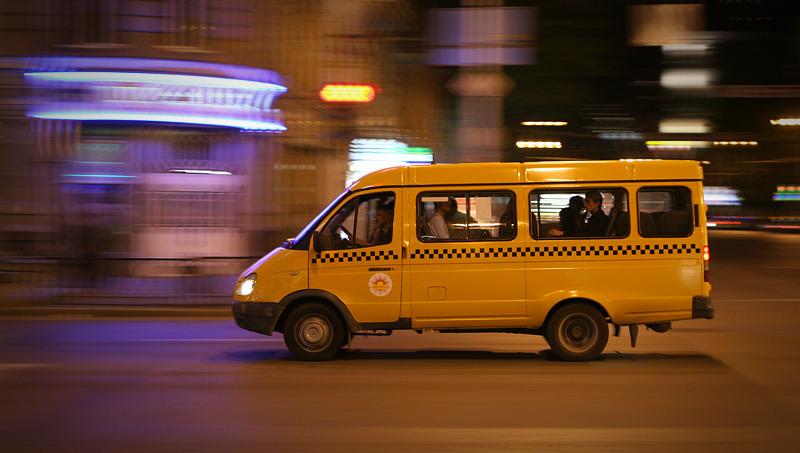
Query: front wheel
577, 333
314, 331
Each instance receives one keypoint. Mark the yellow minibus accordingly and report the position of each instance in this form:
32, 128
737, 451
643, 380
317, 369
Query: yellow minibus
559, 249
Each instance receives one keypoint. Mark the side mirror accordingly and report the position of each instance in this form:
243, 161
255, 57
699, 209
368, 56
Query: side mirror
315, 241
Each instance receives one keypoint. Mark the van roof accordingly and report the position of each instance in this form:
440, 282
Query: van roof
532, 172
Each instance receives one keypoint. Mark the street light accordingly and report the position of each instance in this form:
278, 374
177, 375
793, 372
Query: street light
545, 123
785, 122
538, 144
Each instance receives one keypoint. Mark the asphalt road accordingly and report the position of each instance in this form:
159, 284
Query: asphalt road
728, 384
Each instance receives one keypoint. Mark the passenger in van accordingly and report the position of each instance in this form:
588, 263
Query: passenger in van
384, 217
454, 216
457, 221
618, 223
572, 217
596, 221
437, 222
677, 221
507, 221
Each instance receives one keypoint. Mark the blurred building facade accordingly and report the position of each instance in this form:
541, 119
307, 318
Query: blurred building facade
163, 196
683, 79
720, 71
668, 79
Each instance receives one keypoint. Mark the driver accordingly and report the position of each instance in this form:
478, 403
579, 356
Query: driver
382, 234
337, 236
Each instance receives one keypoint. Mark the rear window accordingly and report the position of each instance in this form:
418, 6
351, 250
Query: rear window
665, 212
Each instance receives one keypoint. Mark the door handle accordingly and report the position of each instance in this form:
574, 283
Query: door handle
378, 269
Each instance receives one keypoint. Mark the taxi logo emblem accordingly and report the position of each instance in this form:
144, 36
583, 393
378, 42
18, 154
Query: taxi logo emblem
380, 284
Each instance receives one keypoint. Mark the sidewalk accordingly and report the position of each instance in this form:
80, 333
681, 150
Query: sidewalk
26, 301
114, 311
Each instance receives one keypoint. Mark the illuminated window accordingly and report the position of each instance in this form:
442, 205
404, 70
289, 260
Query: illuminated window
466, 216
665, 212
579, 213
364, 221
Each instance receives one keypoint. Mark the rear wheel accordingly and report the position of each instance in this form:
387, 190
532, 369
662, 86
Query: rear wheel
314, 331
577, 332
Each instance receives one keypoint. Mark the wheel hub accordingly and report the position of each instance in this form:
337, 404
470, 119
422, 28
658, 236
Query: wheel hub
577, 333
314, 333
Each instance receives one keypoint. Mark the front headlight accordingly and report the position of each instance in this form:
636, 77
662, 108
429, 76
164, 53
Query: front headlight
247, 285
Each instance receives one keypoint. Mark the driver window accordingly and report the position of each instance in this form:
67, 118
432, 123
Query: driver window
364, 221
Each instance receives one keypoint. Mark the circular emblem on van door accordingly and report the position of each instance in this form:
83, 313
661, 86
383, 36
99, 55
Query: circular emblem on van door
380, 284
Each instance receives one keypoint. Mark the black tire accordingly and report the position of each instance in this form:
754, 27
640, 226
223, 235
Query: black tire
314, 331
577, 333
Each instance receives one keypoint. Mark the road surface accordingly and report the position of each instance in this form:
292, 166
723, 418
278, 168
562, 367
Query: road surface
189, 384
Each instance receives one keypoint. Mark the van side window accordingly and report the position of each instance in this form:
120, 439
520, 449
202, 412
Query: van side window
665, 212
364, 221
466, 216
579, 213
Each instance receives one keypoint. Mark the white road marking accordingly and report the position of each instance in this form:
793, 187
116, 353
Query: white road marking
64, 307
233, 340
70, 316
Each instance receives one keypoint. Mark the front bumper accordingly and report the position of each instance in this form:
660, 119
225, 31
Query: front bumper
258, 317
701, 307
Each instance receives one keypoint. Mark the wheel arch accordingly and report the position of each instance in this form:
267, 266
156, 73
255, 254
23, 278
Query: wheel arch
575, 300
295, 299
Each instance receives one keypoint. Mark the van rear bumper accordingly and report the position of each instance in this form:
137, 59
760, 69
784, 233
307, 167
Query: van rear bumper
701, 307
258, 317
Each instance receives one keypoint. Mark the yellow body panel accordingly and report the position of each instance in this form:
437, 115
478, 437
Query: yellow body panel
368, 280
454, 174
510, 283
637, 280
532, 172
465, 283
279, 273
461, 294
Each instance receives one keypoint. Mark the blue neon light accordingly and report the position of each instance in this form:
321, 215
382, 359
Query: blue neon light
93, 175
155, 79
156, 91
786, 197
79, 115
154, 65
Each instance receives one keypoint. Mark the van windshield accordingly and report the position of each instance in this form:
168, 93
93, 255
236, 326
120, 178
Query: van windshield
303, 239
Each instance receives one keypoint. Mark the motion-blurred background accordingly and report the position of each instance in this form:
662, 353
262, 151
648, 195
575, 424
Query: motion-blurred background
150, 149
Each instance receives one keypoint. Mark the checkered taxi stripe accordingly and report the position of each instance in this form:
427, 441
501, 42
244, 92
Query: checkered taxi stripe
358, 256
556, 250
355, 256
